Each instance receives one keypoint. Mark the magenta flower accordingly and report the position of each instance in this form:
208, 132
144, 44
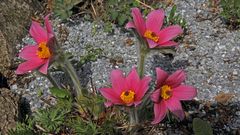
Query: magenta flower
37, 56
151, 29
125, 90
169, 92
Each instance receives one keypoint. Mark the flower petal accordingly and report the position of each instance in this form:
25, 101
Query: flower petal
44, 68
151, 43
160, 111
108, 104
133, 80
175, 107
118, 81
154, 20
168, 43
169, 33
161, 77
29, 65
29, 52
48, 24
130, 25
38, 33
138, 21
136, 103
110, 95
155, 96
143, 87
184, 92
175, 79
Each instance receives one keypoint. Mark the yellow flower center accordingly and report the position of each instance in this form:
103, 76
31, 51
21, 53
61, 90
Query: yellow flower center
127, 96
151, 35
166, 92
43, 51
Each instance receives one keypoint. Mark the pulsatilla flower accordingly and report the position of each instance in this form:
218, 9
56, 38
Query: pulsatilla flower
37, 56
151, 28
169, 92
127, 90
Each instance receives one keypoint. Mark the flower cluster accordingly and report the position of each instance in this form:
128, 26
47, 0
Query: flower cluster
127, 90
169, 89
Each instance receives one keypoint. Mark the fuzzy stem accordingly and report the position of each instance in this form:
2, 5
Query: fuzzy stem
142, 53
132, 118
136, 115
73, 75
141, 62
52, 80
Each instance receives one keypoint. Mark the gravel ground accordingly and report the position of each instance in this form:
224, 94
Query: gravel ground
210, 54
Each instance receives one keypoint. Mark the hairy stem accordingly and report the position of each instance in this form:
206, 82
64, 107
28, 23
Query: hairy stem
142, 53
73, 75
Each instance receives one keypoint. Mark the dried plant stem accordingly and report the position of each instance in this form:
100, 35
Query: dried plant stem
144, 4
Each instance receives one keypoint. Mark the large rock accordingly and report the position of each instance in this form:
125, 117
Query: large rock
15, 16
13, 108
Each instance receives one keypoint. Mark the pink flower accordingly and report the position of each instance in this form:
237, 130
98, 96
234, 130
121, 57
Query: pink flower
37, 56
169, 92
151, 29
125, 90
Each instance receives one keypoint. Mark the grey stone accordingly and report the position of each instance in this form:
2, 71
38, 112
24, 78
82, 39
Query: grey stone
15, 17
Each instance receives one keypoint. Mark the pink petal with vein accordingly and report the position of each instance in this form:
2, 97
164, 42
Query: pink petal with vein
143, 88
175, 79
155, 96
169, 33
44, 68
133, 80
38, 33
118, 81
48, 24
138, 21
154, 20
151, 43
29, 52
29, 65
110, 95
161, 77
160, 111
175, 107
130, 25
184, 92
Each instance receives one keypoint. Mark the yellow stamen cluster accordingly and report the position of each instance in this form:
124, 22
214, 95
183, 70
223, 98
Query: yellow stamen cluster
127, 96
151, 35
166, 92
43, 51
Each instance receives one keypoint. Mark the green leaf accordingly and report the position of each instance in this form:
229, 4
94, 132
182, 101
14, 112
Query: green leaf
201, 127
122, 19
59, 93
112, 2
172, 12
114, 15
62, 8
